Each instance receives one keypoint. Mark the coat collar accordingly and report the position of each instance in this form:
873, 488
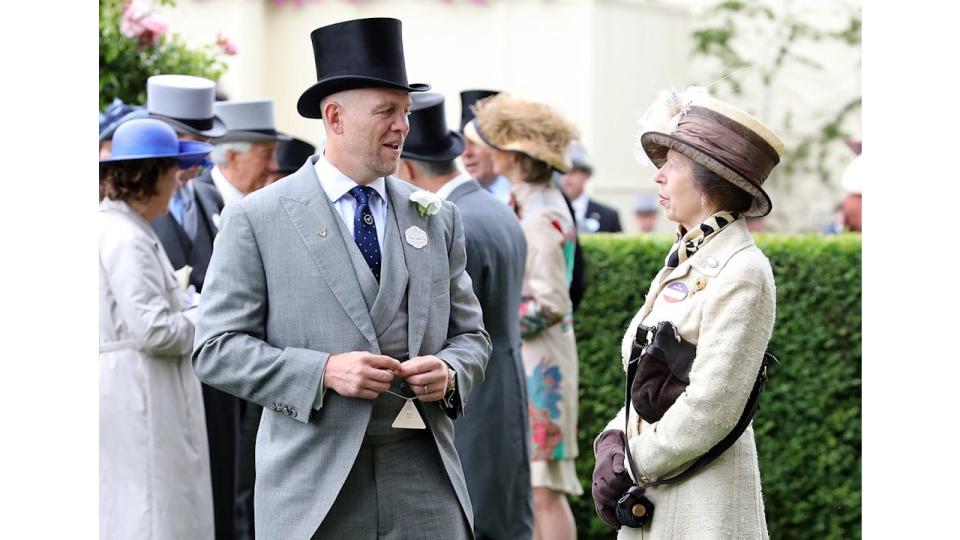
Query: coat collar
463, 190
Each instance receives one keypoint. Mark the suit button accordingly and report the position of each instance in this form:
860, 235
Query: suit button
712, 263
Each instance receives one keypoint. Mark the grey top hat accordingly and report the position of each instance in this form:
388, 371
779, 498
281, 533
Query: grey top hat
185, 103
248, 121
578, 157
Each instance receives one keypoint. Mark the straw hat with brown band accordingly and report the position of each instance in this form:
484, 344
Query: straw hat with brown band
722, 138
512, 124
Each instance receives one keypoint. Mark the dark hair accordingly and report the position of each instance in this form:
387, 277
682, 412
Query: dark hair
535, 171
435, 168
132, 180
720, 191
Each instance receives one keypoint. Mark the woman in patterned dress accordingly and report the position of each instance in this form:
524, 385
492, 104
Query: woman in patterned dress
529, 142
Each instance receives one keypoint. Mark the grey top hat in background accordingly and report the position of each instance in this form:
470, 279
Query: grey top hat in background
185, 103
578, 157
429, 138
248, 121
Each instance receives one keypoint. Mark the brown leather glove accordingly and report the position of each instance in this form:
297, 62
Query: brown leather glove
610, 478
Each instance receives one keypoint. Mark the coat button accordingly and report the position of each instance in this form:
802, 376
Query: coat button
712, 263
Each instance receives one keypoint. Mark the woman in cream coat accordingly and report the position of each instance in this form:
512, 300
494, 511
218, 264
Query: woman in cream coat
717, 288
528, 141
154, 462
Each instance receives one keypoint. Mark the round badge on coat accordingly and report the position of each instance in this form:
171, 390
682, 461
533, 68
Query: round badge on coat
675, 292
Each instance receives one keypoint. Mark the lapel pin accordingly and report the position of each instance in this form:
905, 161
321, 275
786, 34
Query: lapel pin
701, 283
323, 232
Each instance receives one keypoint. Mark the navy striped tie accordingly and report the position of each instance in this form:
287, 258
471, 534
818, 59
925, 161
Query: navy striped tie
365, 229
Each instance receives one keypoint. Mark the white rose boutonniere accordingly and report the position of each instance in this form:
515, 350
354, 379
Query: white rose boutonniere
427, 203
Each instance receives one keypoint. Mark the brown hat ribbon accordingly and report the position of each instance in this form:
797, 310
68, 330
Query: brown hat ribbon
728, 142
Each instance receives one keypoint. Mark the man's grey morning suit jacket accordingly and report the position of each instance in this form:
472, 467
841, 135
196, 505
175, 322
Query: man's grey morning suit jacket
281, 296
492, 437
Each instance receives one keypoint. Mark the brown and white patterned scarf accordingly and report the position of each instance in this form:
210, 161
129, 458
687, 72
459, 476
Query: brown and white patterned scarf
688, 242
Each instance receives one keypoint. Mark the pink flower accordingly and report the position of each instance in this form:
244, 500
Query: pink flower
139, 23
227, 46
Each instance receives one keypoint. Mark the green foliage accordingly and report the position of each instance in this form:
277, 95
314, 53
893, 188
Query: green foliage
808, 425
127, 63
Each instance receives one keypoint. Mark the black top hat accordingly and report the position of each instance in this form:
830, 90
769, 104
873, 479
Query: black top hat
361, 53
292, 154
430, 139
468, 98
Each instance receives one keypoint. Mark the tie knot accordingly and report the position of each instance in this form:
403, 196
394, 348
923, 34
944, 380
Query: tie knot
362, 194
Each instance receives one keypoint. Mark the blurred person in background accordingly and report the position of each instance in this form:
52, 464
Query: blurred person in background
528, 142
187, 231
645, 211
591, 216
244, 156
496, 468
154, 462
289, 156
717, 290
476, 158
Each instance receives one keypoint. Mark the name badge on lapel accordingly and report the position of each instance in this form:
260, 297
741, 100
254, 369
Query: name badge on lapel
675, 292
416, 237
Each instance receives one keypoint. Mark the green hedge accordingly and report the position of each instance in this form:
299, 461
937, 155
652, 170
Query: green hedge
808, 426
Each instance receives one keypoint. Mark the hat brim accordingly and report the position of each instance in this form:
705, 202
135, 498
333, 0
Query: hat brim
656, 145
561, 164
218, 129
309, 103
189, 153
450, 148
240, 135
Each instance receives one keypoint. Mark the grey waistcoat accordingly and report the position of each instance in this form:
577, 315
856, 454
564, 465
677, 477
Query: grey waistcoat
387, 303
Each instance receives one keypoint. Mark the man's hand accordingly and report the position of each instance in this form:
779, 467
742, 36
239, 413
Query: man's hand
360, 374
427, 376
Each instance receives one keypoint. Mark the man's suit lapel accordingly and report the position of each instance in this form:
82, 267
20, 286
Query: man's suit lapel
314, 218
418, 265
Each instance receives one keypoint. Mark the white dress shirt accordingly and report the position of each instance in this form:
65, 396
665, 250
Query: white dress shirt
337, 186
579, 206
228, 192
453, 184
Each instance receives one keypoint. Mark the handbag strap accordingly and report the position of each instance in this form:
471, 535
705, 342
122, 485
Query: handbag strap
753, 403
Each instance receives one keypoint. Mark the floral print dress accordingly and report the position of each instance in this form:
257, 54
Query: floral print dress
546, 325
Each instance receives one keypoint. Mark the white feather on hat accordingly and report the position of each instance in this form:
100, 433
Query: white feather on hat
664, 114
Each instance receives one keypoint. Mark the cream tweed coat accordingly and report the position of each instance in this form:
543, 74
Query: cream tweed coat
723, 299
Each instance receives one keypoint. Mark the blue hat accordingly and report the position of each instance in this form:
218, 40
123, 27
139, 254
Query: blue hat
146, 138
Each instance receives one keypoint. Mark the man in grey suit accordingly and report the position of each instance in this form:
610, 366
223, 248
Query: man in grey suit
343, 307
492, 440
